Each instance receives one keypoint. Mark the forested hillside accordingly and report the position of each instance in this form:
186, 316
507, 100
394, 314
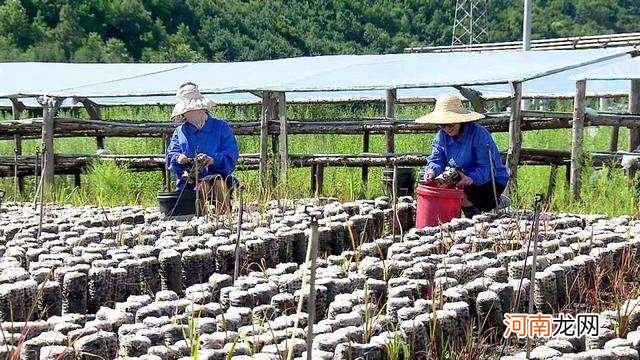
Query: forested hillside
217, 30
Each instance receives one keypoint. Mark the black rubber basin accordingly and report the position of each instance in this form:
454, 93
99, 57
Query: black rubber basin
176, 203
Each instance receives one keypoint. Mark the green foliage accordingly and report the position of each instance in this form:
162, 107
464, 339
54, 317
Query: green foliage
223, 30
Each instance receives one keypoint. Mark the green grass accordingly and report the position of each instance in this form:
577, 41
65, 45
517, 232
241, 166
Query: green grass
604, 191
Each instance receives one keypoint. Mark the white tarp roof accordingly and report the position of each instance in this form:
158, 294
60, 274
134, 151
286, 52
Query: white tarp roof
353, 72
29, 79
626, 69
151, 84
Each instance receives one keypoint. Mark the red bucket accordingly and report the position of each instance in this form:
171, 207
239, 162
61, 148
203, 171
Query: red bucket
437, 205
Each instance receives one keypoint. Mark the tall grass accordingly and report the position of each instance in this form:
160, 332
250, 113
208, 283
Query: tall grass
604, 191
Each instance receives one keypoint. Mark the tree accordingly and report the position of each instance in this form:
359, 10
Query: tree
15, 24
226, 30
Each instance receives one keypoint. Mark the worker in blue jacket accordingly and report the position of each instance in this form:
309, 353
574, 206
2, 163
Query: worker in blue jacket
203, 136
468, 147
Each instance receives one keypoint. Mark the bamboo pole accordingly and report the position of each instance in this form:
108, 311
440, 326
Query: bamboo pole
166, 174
579, 105
515, 137
236, 262
311, 300
310, 263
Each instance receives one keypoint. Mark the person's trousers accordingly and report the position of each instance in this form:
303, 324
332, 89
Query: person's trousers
483, 197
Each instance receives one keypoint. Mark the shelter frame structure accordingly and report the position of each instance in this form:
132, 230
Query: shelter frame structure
273, 100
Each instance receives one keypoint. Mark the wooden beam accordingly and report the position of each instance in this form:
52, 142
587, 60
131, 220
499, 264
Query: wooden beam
515, 137
474, 97
531, 120
390, 114
69, 164
283, 136
579, 106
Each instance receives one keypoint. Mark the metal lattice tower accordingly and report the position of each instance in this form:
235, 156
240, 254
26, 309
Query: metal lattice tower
470, 24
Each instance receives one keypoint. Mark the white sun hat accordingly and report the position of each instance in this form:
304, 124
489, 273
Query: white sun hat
189, 98
449, 110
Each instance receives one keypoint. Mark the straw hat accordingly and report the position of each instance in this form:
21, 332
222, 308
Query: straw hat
449, 110
189, 98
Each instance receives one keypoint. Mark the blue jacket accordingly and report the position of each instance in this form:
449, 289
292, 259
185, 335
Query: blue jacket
468, 152
214, 139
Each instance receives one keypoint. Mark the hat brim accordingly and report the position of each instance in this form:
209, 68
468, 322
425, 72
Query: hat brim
182, 107
449, 117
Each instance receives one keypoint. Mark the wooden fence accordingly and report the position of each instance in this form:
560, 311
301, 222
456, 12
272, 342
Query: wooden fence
275, 125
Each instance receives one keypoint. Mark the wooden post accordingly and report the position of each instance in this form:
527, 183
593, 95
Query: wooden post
50, 107
283, 137
95, 113
553, 178
166, 174
634, 108
365, 149
314, 180
16, 109
603, 105
579, 104
264, 137
390, 114
76, 179
319, 179
515, 137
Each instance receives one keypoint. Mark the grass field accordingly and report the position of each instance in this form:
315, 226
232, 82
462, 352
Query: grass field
604, 191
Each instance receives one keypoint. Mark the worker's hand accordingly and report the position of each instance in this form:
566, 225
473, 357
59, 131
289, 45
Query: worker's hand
464, 181
183, 159
429, 175
208, 160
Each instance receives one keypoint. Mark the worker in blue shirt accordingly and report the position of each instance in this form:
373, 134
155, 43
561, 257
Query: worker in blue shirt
468, 147
210, 139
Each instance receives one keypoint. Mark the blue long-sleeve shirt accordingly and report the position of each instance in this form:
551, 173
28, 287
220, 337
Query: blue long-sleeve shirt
214, 139
468, 152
